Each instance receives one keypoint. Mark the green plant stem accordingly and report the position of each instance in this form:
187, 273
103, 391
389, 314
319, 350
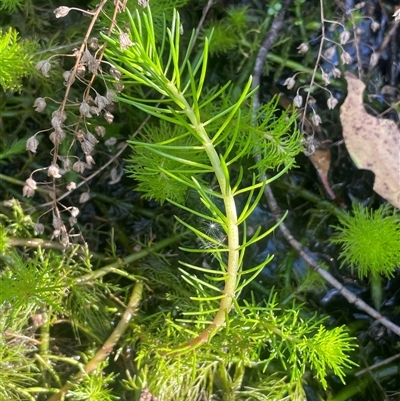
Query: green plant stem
45, 333
112, 340
231, 223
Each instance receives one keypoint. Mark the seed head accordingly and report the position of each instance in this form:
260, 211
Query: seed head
40, 104
31, 144
289, 82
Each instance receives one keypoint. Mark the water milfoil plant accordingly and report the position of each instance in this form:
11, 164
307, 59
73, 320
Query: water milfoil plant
202, 142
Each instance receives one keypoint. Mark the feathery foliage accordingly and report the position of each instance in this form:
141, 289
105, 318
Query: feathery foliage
15, 59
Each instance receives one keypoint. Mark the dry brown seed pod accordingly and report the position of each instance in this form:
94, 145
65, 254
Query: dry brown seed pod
100, 130
124, 41
91, 138
79, 166
27, 191
111, 96
57, 136
101, 101
325, 78
332, 102
39, 228
85, 196
303, 48
89, 161
346, 58
330, 52
87, 147
115, 73
298, 100
81, 70
94, 43
31, 183
67, 163
44, 67
39, 104
71, 186
336, 72
84, 109
61, 12
316, 119
108, 117
54, 171
344, 37
31, 144
289, 82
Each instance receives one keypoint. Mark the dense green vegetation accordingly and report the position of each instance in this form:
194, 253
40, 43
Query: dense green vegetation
139, 260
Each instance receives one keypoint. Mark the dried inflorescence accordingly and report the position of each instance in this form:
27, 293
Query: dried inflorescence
69, 122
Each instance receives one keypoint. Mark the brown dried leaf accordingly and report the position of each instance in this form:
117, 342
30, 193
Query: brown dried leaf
373, 143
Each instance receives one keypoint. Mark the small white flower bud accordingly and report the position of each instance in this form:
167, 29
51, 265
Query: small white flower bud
373, 61
44, 67
57, 223
289, 83
298, 100
87, 147
396, 15
57, 136
108, 117
336, 72
71, 186
29, 189
111, 96
316, 119
81, 70
40, 104
94, 43
39, 228
143, 3
67, 164
66, 75
332, 102
61, 12
303, 48
89, 161
85, 196
72, 221
100, 130
31, 183
31, 144
345, 58
330, 52
375, 26
101, 101
91, 138
79, 167
115, 73
118, 87
325, 78
54, 171
74, 211
344, 37
84, 109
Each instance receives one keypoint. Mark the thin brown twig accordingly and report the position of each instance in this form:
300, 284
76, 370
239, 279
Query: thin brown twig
110, 343
273, 205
